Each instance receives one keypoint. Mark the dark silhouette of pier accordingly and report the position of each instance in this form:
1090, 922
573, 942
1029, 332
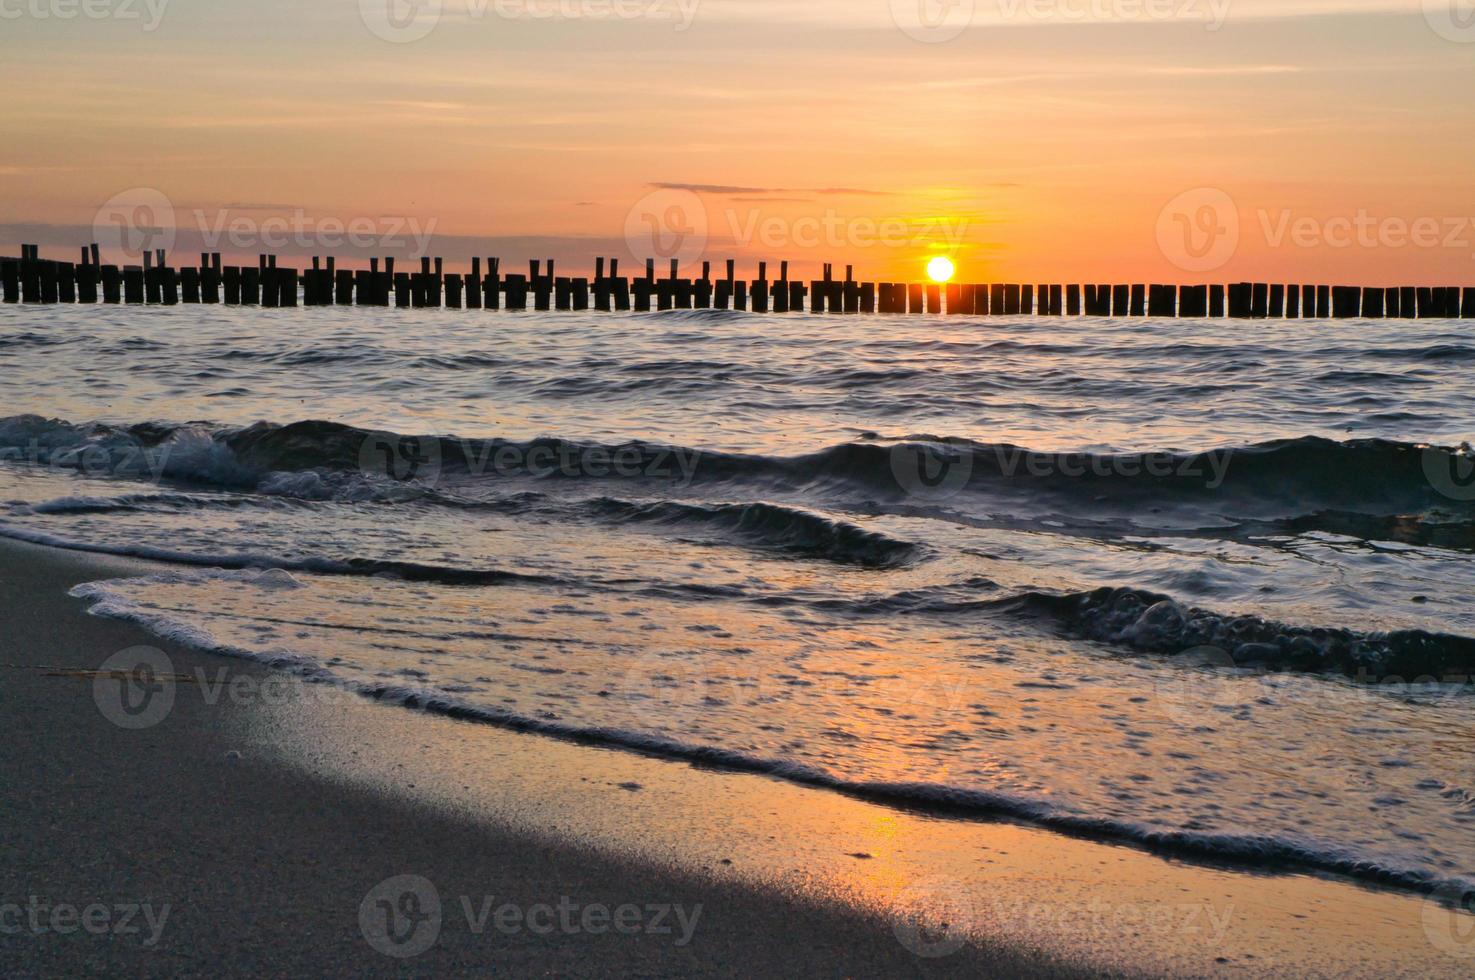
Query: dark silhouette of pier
31, 279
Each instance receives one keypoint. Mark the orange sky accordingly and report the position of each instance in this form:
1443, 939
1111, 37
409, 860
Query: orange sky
1033, 140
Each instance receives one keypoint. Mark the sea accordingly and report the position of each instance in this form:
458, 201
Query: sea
1202, 587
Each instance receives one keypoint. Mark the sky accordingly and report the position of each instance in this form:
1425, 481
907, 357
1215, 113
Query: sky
1030, 140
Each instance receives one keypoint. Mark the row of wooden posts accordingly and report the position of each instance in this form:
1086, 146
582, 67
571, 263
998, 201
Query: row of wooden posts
30, 279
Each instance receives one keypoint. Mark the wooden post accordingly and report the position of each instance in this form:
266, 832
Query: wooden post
408, 289
563, 294
868, 297
491, 286
1139, 300
344, 287
66, 282
1260, 300
133, 288
1027, 300
1323, 302
1216, 301
271, 289
453, 286
1408, 302
702, 288
1467, 310
10, 280
1346, 302
1239, 300
189, 282
1372, 303
1073, 299
581, 294
1121, 301
996, 304
1193, 302
740, 294
287, 287
819, 292
112, 285
87, 279
210, 279
1160, 300
914, 298
619, 286
1277, 307
955, 299
1057, 300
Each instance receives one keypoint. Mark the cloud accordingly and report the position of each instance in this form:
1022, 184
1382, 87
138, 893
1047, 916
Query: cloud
728, 189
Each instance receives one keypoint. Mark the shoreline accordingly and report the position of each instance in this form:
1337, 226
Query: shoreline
237, 802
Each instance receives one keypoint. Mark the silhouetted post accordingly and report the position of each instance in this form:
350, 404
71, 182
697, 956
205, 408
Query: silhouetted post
1013, 299
1239, 300
563, 294
408, 291
1407, 303
819, 292
868, 297
1346, 302
1026, 300
1121, 301
1193, 302
1139, 300
542, 287
702, 288
1293, 302
1260, 300
287, 282
491, 285
112, 285
760, 289
87, 279
1057, 300
601, 287
644, 287
619, 286
1160, 300
210, 279
722, 293
581, 294
740, 294
996, 304
189, 284
1323, 302
1216, 301
933, 293
133, 285
1452, 302
1372, 303
1277, 301
453, 285
10, 280
666, 289
1467, 311
955, 299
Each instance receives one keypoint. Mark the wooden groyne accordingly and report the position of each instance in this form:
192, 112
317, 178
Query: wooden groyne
31, 279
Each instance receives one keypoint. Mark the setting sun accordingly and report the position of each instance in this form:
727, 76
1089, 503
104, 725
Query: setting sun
940, 269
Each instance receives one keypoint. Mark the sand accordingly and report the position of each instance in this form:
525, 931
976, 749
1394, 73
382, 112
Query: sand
258, 824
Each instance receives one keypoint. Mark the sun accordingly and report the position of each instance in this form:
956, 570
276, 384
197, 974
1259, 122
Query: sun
940, 269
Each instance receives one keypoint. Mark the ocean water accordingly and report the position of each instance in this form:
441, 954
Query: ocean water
1203, 586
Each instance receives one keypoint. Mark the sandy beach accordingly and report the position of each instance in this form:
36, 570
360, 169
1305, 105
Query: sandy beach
258, 823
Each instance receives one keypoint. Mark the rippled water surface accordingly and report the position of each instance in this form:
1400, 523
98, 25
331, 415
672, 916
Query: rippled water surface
1204, 585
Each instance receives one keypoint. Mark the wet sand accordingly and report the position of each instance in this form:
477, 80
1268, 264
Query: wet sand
264, 824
